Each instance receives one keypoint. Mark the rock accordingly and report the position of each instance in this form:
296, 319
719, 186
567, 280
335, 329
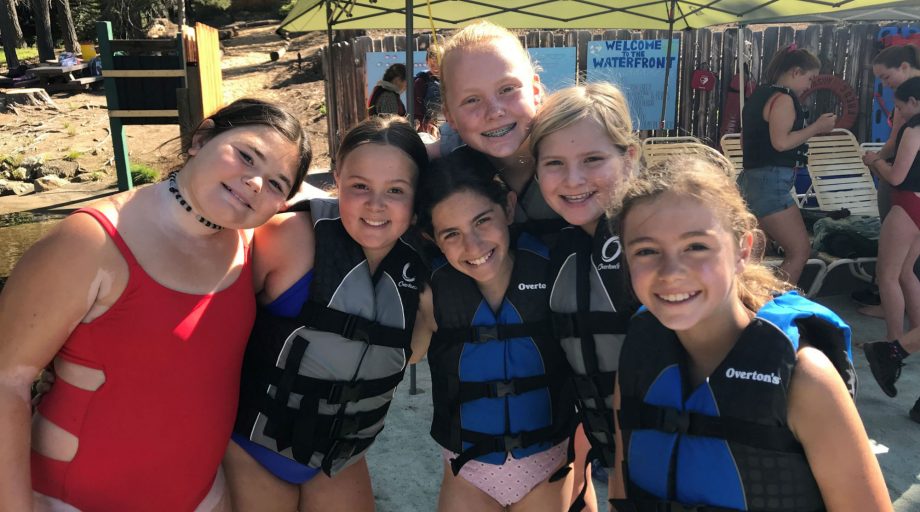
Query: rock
19, 173
62, 168
6, 174
88, 176
19, 188
46, 183
33, 162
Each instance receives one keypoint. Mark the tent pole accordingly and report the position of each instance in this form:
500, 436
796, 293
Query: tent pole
410, 85
667, 65
742, 79
332, 108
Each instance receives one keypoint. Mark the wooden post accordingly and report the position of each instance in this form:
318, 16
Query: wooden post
119, 142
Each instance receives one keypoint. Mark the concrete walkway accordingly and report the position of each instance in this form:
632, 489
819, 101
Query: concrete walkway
406, 465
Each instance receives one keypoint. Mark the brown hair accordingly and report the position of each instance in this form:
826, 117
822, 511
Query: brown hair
705, 178
894, 56
787, 58
387, 130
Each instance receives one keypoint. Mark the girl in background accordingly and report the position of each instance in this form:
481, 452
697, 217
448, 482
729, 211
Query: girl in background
732, 392
339, 289
497, 371
774, 142
143, 301
899, 245
585, 149
385, 98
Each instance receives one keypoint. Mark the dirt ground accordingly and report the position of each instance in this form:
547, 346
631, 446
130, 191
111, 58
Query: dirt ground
79, 128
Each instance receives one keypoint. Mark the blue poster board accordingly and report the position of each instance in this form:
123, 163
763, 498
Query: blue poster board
637, 67
558, 66
378, 62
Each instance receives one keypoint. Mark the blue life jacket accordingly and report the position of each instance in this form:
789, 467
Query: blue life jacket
316, 387
497, 377
726, 444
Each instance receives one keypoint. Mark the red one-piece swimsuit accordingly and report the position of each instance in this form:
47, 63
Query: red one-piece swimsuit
153, 435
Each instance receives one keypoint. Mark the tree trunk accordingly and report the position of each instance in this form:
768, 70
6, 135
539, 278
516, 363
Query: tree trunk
68, 32
10, 6
41, 9
8, 34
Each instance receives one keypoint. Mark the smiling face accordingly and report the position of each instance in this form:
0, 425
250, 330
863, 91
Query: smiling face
892, 77
683, 263
491, 97
472, 232
578, 169
376, 184
239, 178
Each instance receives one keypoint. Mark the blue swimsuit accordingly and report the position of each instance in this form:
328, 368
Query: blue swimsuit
288, 304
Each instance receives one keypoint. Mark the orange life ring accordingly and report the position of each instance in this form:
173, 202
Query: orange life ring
846, 98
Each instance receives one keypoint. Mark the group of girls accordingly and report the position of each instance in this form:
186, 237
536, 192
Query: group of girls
897, 165
525, 336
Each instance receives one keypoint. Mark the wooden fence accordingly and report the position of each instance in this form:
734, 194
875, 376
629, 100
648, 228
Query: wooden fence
845, 50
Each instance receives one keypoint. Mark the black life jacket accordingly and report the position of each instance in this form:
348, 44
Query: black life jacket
316, 388
533, 215
497, 378
912, 180
726, 444
591, 306
755, 137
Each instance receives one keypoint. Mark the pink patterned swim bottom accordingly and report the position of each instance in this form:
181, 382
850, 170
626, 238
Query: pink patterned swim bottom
510, 482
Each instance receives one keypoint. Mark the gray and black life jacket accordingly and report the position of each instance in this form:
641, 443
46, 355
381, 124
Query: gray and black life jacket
498, 377
591, 307
316, 388
725, 444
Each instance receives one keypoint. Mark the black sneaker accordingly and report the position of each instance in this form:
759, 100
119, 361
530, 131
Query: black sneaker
866, 297
915, 411
885, 369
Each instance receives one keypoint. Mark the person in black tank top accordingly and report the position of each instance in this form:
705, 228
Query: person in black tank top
774, 137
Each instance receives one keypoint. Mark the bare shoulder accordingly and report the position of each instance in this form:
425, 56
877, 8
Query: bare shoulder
283, 251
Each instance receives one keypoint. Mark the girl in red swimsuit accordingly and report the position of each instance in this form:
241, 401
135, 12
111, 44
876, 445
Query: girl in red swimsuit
144, 302
899, 242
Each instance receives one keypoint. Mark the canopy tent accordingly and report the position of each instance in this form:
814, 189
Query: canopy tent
310, 15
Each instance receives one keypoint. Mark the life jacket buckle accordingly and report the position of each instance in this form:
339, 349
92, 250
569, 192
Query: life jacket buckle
513, 443
353, 329
344, 392
674, 421
564, 325
343, 426
502, 389
485, 333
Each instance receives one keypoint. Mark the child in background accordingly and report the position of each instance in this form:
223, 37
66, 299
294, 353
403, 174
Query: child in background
497, 372
340, 290
144, 302
427, 87
385, 98
774, 142
899, 245
585, 149
732, 392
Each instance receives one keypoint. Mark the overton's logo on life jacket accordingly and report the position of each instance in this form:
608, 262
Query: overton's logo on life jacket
534, 286
769, 378
407, 281
609, 254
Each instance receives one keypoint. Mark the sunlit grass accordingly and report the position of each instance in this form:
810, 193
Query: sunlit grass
22, 53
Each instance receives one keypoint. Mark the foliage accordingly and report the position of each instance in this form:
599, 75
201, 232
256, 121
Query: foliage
73, 155
22, 53
141, 174
285, 9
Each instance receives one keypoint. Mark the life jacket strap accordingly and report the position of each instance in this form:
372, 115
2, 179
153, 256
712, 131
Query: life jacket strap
587, 323
484, 444
483, 333
663, 506
354, 327
469, 391
638, 415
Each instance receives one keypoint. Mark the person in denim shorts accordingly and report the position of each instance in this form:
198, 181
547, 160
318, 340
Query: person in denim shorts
774, 142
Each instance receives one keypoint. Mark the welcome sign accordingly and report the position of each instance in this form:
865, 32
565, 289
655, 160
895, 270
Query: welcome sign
638, 67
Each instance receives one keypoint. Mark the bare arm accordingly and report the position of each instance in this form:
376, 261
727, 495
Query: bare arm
824, 418
780, 114
896, 173
283, 251
56, 283
425, 326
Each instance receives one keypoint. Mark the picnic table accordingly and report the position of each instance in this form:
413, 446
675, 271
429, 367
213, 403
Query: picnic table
54, 77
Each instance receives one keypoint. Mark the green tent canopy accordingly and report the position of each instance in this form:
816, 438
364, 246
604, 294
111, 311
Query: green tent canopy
309, 15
